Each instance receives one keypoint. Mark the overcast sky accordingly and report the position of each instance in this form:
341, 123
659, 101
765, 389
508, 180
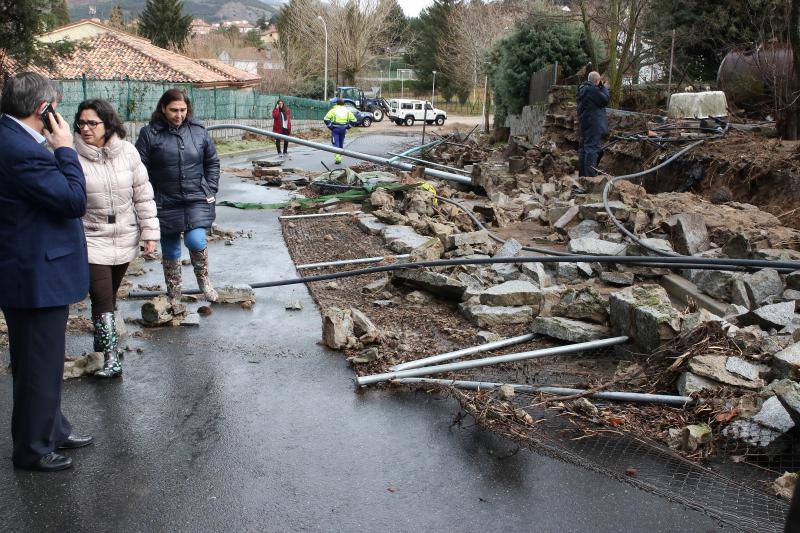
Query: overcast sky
413, 7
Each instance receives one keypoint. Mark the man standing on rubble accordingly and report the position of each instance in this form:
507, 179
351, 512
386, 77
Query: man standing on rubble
339, 119
592, 100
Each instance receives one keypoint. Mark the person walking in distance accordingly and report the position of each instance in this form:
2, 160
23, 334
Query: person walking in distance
339, 119
182, 161
282, 123
592, 100
43, 264
120, 211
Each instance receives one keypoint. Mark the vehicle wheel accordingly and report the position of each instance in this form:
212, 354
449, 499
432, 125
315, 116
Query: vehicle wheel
439, 120
429, 122
409, 121
377, 114
366, 123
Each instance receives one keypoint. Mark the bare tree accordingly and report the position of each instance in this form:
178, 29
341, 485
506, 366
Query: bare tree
357, 30
473, 28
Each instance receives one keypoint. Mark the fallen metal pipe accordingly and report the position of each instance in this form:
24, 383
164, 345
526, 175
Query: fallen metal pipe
464, 351
416, 149
364, 260
424, 162
638, 397
449, 176
488, 361
319, 215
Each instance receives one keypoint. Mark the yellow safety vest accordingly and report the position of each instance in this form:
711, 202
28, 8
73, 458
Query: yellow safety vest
340, 115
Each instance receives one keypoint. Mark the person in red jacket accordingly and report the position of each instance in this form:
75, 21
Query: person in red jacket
282, 123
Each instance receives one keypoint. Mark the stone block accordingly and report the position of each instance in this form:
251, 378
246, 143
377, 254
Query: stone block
236, 294
585, 228
588, 246
715, 367
569, 330
762, 285
512, 293
590, 211
485, 316
434, 282
564, 220
582, 304
430, 251
402, 239
773, 316
370, 224
644, 313
337, 328
689, 383
619, 279
689, 233
787, 362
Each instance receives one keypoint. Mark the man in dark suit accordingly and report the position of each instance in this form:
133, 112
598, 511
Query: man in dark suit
592, 100
43, 264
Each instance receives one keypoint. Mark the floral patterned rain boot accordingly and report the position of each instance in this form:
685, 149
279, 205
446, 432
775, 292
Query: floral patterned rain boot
105, 329
200, 264
172, 276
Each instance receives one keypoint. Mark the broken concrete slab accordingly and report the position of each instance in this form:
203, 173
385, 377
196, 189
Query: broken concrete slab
688, 232
689, 383
771, 442
591, 211
645, 314
370, 224
589, 246
511, 293
485, 316
402, 239
773, 316
236, 294
508, 271
658, 244
537, 273
434, 282
742, 368
681, 289
479, 241
787, 362
714, 367
569, 330
430, 251
774, 416
762, 285
582, 304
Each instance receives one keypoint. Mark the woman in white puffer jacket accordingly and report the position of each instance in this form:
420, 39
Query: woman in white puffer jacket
120, 212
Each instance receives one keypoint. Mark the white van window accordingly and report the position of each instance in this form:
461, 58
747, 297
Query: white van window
418, 106
429, 106
407, 106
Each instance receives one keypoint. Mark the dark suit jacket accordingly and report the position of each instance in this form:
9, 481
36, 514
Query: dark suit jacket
43, 261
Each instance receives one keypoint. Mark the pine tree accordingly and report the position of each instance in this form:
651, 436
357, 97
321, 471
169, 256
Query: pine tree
116, 18
164, 23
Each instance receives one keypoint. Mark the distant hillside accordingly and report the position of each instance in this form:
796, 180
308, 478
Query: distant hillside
208, 10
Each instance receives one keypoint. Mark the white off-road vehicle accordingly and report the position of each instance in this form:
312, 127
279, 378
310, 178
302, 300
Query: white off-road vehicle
405, 112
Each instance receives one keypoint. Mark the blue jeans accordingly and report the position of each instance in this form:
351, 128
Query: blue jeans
195, 240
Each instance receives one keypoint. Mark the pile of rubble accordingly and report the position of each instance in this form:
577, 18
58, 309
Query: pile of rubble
755, 381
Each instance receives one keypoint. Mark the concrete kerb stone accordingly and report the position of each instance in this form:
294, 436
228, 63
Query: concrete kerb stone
644, 313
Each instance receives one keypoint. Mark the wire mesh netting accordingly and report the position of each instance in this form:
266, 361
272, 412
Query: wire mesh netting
135, 100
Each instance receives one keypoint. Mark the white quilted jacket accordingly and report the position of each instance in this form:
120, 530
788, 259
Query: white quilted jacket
120, 209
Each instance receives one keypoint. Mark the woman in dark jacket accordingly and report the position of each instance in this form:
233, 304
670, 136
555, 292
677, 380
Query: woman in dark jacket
282, 123
182, 161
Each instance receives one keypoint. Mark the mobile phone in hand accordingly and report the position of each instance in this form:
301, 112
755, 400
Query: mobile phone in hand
45, 116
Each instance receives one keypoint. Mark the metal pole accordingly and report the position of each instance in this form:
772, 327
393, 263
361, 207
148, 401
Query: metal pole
488, 361
485, 110
671, 59
424, 120
365, 260
465, 351
345, 152
416, 149
325, 25
433, 88
559, 391
318, 215
401, 156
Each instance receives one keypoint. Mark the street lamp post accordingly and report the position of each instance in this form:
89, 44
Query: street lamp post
402, 88
433, 88
325, 26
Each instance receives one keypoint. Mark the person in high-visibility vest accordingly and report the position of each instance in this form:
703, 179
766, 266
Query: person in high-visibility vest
339, 119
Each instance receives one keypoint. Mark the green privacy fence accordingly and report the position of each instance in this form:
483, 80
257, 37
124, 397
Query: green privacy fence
135, 100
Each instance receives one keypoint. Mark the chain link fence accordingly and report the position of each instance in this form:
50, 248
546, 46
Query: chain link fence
136, 100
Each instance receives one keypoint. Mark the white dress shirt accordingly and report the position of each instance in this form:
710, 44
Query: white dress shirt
35, 134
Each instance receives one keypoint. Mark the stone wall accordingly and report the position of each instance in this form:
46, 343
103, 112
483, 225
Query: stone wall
529, 123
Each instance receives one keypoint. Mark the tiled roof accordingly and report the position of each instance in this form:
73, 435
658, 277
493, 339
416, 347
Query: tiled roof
117, 55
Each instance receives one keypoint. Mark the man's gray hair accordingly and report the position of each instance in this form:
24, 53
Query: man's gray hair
23, 93
594, 77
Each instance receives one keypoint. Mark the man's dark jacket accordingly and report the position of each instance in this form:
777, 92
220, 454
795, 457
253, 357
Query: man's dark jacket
43, 260
592, 101
184, 170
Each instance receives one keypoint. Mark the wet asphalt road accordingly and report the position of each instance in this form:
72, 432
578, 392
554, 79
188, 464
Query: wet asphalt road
248, 424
